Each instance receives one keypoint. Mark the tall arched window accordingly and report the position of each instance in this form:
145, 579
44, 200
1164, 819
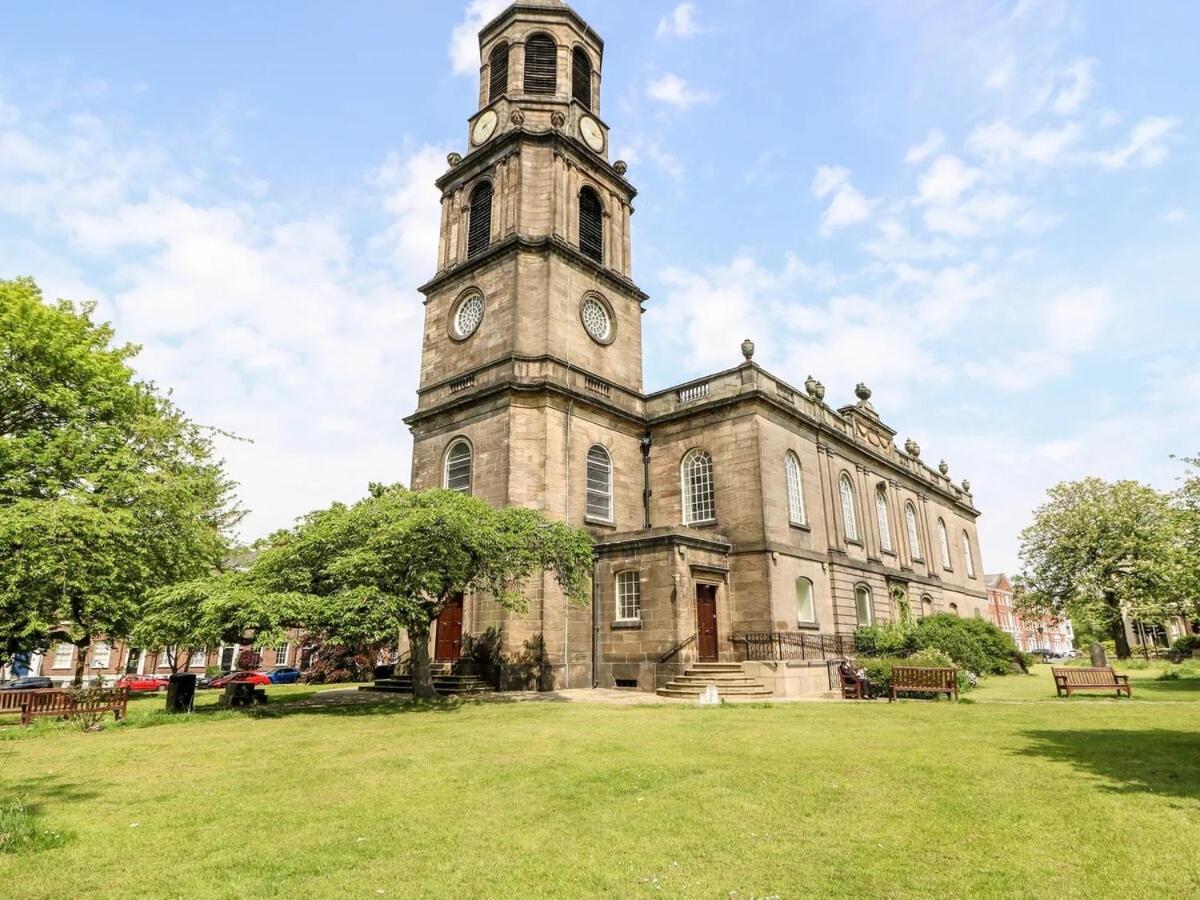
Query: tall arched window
498, 72
881, 513
457, 475
806, 608
581, 77
954, 609
541, 65
479, 221
599, 484
795, 489
943, 544
849, 520
914, 539
862, 605
926, 606
591, 225
968, 557
696, 474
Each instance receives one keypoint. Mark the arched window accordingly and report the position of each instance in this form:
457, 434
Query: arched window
968, 557
849, 520
806, 609
498, 72
541, 65
458, 467
629, 596
479, 221
795, 490
599, 484
581, 77
862, 605
926, 606
881, 513
914, 539
696, 474
943, 544
954, 609
591, 225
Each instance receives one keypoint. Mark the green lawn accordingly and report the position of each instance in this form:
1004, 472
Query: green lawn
1063, 798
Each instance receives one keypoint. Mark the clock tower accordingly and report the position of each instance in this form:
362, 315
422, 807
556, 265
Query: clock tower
532, 350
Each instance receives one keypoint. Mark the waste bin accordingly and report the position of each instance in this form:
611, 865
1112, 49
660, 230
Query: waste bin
181, 692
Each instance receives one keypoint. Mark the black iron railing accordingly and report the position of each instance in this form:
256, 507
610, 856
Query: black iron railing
679, 645
782, 645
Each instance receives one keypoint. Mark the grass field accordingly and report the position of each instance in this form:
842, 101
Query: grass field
1015, 793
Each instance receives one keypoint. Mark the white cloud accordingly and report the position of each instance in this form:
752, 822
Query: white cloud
674, 91
848, 206
1146, 145
1078, 88
679, 23
1176, 215
945, 180
1002, 144
922, 151
1075, 319
464, 39
639, 148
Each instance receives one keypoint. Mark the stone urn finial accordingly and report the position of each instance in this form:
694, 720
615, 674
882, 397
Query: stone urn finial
862, 392
621, 167
944, 467
912, 448
453, 159
810, 386
748, 349
819, 392
966, 486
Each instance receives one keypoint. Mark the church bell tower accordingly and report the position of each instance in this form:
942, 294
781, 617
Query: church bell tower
532, 349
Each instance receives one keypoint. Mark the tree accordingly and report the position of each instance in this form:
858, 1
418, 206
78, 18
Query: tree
1099, 550
358, 574
107, 490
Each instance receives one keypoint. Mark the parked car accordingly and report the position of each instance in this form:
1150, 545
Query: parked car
138, 684
240, 677
1043, 655
28, 683
284, 675
207, 681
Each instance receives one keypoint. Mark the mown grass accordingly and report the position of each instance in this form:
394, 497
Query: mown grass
1147, 680
914, 799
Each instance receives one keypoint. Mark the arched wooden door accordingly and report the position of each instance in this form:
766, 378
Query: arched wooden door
447, 645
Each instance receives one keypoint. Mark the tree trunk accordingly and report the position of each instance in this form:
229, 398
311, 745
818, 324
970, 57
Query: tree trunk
81, 650
1120, 638
422, 679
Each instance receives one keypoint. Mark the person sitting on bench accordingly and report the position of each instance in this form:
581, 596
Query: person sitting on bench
855, 684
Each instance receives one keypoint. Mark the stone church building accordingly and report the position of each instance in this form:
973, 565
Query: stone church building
736, 516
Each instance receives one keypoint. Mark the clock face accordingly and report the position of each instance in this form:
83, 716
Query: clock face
592, 134
484, 127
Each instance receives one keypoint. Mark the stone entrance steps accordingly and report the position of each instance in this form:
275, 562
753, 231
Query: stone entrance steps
730, 680
442, 683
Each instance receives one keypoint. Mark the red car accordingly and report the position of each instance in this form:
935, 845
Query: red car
137, 684
236, 677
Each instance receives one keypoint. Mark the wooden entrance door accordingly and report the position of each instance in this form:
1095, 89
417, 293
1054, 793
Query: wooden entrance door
447, 647
706, 622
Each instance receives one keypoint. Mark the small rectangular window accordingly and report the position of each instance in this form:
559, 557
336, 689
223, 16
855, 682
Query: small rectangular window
101, 654
629, 597
62, 656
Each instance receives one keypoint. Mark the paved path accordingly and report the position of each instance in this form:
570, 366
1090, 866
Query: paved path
606, 696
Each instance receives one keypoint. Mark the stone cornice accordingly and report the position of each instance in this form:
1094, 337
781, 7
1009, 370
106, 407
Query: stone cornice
536, 10
665, 536
524, 243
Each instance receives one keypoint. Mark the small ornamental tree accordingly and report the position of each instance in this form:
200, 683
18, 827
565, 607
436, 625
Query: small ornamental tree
358, 574
1100, 550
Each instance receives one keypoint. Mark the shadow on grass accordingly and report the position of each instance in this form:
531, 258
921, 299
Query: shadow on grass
1155, 761
25, 804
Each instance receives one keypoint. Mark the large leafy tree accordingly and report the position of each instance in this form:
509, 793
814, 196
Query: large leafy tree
107, 491
1097, 550
359, 574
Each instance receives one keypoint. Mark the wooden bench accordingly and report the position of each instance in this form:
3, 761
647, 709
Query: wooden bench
57, 702
1079, 678
918, 679
853, 687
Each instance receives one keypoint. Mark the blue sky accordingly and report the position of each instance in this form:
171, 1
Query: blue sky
988, 212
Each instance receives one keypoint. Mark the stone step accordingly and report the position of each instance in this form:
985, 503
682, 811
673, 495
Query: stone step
703, 680
692, 693
717, 666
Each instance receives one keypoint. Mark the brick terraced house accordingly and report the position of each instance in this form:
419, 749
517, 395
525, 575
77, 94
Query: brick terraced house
736, 516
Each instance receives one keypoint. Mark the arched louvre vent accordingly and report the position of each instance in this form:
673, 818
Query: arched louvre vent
479, 223
498, 71
591, 225
541, 65
581, 77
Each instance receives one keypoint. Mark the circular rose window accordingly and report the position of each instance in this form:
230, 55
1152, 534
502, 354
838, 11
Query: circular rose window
468, 316
597, 320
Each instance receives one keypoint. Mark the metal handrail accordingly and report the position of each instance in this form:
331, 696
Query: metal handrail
679, 645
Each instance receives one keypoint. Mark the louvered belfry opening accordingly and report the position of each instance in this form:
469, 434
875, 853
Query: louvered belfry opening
541, 65
581, 77
498, 72
591, 225
479, 223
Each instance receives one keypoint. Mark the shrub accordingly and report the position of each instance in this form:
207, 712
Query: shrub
930, 657
249, 659
1186, 645
334, 662
886, 639
83, 702
1169, 675
974, 644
